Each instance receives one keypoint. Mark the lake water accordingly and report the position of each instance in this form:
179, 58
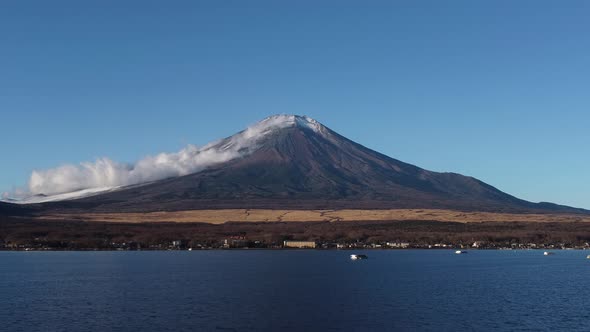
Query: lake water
307, 290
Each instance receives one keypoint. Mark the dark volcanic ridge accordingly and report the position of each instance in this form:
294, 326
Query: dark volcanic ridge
9, 209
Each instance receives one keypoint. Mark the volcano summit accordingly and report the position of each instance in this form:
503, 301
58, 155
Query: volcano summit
288, 162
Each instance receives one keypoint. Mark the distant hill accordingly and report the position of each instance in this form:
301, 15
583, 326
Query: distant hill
8, 209
297, 163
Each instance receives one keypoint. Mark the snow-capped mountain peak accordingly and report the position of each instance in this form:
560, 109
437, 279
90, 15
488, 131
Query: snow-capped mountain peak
281, 121
87, 178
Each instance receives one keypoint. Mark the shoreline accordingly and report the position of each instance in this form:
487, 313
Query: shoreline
293, 249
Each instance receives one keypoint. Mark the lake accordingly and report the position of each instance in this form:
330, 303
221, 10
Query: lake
294, 290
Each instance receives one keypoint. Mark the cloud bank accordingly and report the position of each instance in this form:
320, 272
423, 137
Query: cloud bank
105, 173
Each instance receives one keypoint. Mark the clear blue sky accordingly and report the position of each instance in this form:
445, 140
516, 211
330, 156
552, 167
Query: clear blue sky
493, 89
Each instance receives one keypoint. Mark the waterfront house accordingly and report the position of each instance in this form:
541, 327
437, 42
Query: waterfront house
299, 244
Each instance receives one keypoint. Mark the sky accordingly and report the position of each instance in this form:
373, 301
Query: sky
497, 90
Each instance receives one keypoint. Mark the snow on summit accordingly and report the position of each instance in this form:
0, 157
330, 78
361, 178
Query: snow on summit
75, 181
285, 121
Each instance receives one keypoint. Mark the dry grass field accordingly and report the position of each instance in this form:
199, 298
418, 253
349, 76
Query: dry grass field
259, 215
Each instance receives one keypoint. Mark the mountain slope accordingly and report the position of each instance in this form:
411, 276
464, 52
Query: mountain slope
8, 209
297, 163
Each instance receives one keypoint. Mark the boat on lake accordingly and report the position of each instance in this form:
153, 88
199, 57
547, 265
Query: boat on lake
459, 252
548, 253
356, 257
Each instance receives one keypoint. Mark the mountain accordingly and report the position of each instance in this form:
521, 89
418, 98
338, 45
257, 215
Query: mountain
294, 162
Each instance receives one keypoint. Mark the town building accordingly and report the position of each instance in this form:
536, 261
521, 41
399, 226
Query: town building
398, 244
299, 244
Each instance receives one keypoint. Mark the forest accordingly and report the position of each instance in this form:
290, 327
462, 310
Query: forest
23, 232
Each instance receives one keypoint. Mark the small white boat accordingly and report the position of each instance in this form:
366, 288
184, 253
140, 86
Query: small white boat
355, 257
548, 253
459, 252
